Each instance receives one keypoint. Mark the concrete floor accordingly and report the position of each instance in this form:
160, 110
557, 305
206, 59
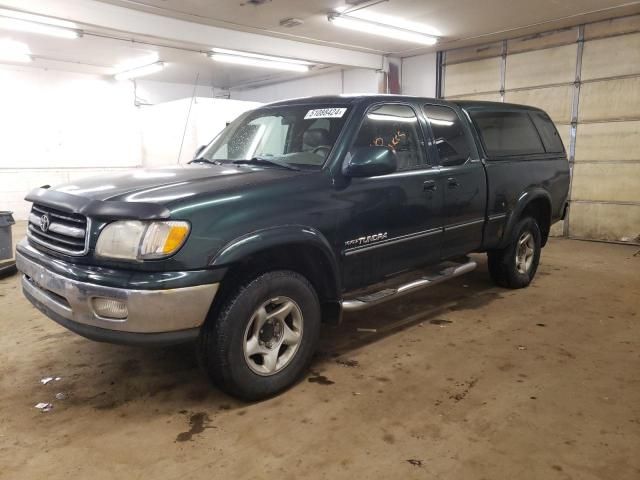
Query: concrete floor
463, 381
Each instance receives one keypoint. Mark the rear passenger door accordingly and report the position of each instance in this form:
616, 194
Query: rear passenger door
462, 177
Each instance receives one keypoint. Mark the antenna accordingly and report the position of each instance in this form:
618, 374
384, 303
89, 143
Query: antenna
186, 123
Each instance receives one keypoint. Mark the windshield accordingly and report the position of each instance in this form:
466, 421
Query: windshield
300, 136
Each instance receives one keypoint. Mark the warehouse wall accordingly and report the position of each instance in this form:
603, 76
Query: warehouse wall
419, 75
60, 126
172, 131
588, 79
154, 92
57, 126
332, 83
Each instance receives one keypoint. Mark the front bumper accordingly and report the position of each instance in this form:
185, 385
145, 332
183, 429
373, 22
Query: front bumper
154, 316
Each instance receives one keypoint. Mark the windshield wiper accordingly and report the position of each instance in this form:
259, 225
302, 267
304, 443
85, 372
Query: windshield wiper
205, 160
265, 161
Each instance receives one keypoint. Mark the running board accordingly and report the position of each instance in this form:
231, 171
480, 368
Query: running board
371, 299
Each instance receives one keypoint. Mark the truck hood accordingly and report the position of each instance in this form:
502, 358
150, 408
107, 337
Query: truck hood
146, 193
170, 184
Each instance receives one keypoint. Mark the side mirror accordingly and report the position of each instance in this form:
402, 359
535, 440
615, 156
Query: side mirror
371, 162
199, 151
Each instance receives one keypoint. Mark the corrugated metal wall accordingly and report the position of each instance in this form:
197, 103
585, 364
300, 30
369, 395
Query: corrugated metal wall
588, 79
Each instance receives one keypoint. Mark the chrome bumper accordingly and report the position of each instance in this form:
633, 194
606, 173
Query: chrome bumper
149, 311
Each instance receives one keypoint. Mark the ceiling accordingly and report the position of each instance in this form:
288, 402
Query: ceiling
462, 22
107, 40
98, 55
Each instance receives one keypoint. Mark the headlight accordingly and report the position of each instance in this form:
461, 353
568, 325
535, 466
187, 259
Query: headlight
135, 240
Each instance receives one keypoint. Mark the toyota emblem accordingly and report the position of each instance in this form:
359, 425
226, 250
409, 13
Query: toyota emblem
44, 223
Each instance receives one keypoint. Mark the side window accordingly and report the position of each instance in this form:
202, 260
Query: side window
448, 132
507, 133
395, 126
547, 130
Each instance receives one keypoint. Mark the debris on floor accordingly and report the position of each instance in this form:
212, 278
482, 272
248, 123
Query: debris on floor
439, 321
46, 380
371, 330
44, 407
347, 363
415, 462
61, 396
319, 379
521, 347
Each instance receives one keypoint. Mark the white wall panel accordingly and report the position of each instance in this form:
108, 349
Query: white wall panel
556, 101
472, 77
483, 97
419, 75
606, 182
610, 100
541, 67
613, 26
542, 40
608, 141
602, 221
164, 125
358, 80
475, 52
609, 57
63, 119
332, 83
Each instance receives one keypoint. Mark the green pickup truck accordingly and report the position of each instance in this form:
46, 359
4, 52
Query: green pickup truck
296, 212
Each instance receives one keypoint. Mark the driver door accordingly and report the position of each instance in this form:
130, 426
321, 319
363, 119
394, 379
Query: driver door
394, 221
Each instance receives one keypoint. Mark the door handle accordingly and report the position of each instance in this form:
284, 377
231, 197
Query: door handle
429, 186
452, 183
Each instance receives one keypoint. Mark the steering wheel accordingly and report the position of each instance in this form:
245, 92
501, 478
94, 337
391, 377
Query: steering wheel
322, 150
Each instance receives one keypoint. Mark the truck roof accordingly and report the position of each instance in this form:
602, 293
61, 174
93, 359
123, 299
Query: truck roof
349, 99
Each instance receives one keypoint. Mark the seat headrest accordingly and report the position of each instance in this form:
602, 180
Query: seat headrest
315, 137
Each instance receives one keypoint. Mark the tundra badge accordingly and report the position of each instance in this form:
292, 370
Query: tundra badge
356, 242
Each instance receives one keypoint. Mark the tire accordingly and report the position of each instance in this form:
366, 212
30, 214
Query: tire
228, 339
504, 268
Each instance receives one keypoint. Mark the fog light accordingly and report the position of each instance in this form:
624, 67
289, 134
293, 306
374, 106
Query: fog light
110, 308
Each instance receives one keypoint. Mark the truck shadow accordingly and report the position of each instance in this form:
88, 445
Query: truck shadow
366, 327
105, 377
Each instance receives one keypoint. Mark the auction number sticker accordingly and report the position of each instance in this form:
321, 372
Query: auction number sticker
325, 113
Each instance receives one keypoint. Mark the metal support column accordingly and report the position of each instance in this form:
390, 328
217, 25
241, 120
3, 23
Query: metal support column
574, 123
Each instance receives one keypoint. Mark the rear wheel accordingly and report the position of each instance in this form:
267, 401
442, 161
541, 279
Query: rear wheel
263, 337
515, 265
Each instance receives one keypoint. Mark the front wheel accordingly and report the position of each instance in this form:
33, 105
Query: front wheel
516, 265
263, 337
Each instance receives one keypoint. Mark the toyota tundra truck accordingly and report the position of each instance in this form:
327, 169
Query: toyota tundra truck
298, 211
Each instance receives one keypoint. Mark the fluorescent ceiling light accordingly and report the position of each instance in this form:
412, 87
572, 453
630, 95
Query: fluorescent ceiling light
26, 22
371, 16
138, 62
140, 71
12, 51
394, 30
262, 57
257, 60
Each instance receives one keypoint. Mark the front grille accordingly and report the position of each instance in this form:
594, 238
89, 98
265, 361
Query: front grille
57, 230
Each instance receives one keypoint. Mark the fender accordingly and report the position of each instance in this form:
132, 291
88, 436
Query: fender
260, 240
521, 203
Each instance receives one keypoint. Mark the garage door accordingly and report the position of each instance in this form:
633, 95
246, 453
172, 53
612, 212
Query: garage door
588, 79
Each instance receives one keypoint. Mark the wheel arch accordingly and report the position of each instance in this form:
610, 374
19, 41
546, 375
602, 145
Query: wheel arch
293, 247
535, 203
